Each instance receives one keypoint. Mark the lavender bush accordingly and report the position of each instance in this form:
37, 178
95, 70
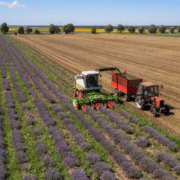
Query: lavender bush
99, 167
78, 174
52, 174
36, 132
107, 175
71, 162
142, 141
22, 157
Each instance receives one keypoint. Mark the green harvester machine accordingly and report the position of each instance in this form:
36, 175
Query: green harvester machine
87, 89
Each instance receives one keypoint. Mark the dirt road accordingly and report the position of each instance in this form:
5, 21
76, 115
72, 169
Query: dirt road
155, 59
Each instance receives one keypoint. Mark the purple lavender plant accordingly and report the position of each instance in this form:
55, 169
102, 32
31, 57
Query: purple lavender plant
177, 169
133, 172
50, 123
71, 162
61, 115
170, 161
21, 97
41, 149
78, 174
6, 84
63, 148
66, 121
137, 154
36, 132
107, 175
148, 164
142, 141
78, 138
160, 155
51, 129
47, 160
22, 157
93, 158
24, 166
25, 106
99, 167
69, 154
52, 173
56, 133
85, 146
72, 128
173, 146
31, 122
119, 158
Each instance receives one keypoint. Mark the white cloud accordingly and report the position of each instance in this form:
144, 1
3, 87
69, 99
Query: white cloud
12, 5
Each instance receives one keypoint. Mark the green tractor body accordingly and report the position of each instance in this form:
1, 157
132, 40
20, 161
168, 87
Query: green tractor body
87, 89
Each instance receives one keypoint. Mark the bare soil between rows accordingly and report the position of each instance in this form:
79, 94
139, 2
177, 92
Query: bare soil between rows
155, 59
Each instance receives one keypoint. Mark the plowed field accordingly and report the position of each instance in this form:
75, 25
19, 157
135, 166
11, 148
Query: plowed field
155, 59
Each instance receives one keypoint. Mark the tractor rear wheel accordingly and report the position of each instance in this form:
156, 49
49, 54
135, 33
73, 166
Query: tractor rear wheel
166, 111
153, 112
140, 102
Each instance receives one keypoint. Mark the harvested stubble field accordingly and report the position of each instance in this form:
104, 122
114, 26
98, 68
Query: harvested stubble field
155, 59
44, 137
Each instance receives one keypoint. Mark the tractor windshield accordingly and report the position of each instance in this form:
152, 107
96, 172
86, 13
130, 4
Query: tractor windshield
153, 90
92, 81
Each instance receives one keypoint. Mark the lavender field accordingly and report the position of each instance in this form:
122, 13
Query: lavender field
42, 135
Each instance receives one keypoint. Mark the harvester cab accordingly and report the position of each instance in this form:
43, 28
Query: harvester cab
87, 81
147, 94
87, 88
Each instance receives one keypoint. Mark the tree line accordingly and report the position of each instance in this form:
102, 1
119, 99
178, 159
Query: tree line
69, 28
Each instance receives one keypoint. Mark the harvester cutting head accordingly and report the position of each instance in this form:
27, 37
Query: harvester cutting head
87, 89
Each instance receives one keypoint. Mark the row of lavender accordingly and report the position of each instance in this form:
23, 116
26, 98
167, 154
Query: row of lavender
152, 132
142, 160
70, 161
61, 146
3, 171
17, 138
41, 148
100, 168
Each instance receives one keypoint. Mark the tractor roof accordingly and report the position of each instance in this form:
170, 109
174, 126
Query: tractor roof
148, 84
90, 72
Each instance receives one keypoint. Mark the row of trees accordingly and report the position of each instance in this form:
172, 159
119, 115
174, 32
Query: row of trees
141, 29
69, 28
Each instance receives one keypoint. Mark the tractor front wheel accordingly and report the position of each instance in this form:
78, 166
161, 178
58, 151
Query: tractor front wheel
166, 111
153, 112
140, 102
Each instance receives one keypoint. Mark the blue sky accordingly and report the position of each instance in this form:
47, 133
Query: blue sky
91, 12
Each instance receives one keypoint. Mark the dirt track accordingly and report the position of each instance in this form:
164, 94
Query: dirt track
155, 59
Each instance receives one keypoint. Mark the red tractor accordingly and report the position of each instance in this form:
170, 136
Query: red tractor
147, 94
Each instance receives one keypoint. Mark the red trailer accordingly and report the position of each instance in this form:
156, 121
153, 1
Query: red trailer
125, 84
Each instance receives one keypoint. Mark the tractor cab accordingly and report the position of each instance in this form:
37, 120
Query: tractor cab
147, 94
148, 89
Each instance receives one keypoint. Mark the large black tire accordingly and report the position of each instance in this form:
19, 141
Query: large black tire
140, 102
166, 111
153, 112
